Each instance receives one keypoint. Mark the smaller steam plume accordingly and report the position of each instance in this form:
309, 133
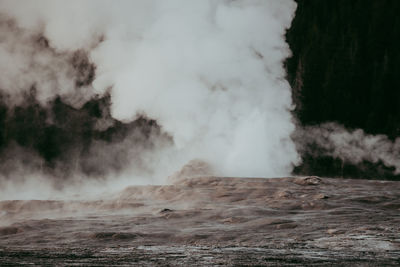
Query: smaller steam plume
375, 154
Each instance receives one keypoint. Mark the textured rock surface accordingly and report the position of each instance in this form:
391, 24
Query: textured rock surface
209, 220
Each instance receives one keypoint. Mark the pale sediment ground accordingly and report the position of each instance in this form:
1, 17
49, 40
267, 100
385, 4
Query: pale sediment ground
211, 220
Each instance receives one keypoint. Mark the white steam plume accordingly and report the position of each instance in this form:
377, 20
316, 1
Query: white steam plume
352, 147
210, 72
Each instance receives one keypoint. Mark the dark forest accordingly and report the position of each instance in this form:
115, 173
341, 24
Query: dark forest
345, 69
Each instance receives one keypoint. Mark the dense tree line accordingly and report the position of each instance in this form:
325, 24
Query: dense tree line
62, 140
345, 68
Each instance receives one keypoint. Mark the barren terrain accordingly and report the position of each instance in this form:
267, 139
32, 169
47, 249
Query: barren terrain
211, 221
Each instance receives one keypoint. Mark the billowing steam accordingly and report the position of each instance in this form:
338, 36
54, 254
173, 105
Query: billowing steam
355, 147
146, 86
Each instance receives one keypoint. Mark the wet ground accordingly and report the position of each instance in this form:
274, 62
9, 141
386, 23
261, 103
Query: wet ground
211, 221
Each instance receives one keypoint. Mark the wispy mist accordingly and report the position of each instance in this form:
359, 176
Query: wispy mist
355, 147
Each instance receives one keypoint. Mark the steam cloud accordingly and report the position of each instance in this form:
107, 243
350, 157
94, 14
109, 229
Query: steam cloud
355, 147
51, 119
148, 85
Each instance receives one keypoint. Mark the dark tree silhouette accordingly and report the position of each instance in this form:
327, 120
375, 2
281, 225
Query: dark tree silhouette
345, 68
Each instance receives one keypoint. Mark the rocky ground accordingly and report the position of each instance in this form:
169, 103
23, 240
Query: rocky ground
211, 221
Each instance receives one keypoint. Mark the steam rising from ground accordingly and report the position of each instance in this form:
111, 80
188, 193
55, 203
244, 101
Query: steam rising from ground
209, 73
353, 147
